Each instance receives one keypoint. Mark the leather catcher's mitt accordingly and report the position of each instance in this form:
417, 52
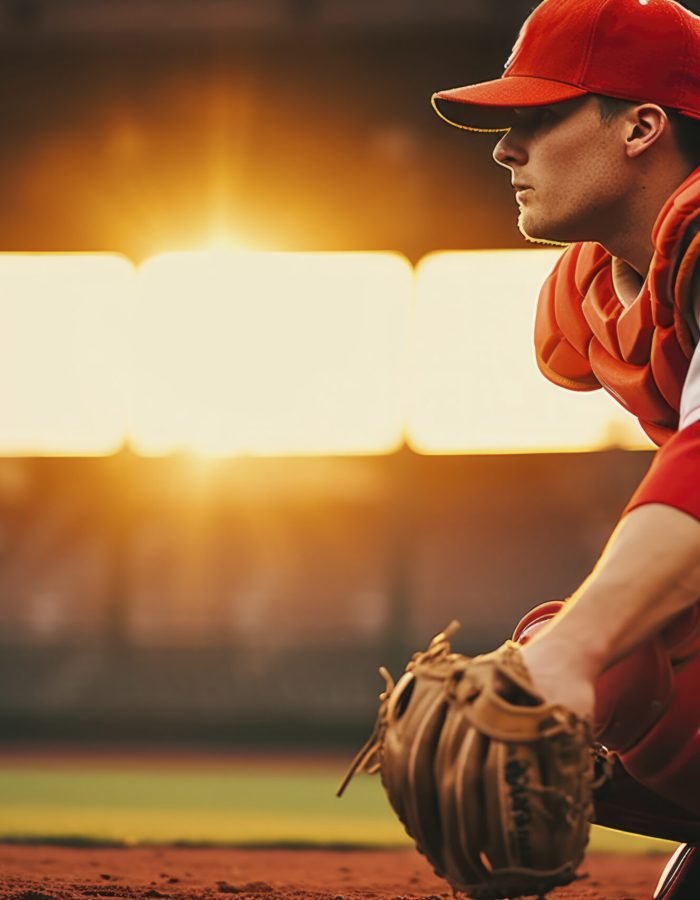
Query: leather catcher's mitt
493, 784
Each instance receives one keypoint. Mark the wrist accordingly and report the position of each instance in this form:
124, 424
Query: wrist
561, 674
570, 642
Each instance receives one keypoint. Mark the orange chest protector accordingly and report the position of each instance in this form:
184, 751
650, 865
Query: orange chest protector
586, 339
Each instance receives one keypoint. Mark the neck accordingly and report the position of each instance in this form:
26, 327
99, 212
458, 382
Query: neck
636, 253
631, 239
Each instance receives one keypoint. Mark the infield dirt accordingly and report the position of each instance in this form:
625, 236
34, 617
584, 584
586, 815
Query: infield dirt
47, 872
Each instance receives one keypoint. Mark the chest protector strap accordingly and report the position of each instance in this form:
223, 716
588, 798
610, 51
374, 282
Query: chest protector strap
586, 339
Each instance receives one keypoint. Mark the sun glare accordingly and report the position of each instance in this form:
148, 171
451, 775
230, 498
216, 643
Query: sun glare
221, 243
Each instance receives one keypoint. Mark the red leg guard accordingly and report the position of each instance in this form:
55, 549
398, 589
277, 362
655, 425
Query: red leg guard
627, 805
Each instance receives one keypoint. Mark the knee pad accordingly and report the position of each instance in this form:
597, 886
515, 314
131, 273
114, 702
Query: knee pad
632, 695
650, 689
532, 621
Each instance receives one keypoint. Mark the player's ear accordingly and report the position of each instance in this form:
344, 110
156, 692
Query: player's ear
644, 125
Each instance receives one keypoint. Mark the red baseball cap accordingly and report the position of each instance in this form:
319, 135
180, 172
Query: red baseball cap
638, 50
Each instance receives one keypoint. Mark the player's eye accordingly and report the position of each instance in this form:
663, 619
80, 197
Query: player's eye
543, 116
535, 117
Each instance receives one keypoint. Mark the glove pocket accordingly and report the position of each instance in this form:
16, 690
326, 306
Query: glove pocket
535, 814
536, 769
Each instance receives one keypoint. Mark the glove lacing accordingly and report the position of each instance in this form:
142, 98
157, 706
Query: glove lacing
368, 758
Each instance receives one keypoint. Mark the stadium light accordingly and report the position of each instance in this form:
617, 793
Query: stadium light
270, 353
475, 383
64, 353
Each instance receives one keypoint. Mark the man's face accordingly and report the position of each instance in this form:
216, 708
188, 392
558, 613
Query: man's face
571, 169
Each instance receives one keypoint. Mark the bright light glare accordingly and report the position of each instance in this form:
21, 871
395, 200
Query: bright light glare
476, 387
221, 242
270, 353
62, 364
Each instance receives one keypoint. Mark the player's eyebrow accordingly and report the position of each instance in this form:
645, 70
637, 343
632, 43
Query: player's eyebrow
522, 111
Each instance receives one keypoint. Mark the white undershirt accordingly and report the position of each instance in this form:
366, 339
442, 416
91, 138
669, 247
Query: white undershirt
627, 284
690, 396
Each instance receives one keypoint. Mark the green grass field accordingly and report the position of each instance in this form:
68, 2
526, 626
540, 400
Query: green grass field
236, 803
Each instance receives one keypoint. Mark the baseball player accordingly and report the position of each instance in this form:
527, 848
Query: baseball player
600, 108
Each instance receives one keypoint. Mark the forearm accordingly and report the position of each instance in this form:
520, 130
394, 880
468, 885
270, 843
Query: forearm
648, 573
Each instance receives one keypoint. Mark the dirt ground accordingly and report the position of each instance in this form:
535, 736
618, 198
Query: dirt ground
66, 873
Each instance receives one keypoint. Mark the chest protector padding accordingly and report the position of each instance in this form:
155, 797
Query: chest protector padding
586, 339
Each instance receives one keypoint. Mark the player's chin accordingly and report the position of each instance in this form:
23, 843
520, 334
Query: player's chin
529, 228
541, 232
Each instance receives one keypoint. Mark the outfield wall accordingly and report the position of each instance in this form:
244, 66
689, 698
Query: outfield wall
136, 602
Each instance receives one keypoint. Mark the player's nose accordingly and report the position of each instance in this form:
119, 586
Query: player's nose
509, 152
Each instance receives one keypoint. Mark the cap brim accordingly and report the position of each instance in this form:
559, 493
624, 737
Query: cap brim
488, 106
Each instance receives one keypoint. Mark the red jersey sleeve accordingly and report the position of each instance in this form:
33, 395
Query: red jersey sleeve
674, 475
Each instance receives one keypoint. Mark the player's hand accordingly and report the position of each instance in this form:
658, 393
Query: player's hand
561, 674
494, 785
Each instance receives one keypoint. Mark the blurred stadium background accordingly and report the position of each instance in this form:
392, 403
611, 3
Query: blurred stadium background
258, 435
